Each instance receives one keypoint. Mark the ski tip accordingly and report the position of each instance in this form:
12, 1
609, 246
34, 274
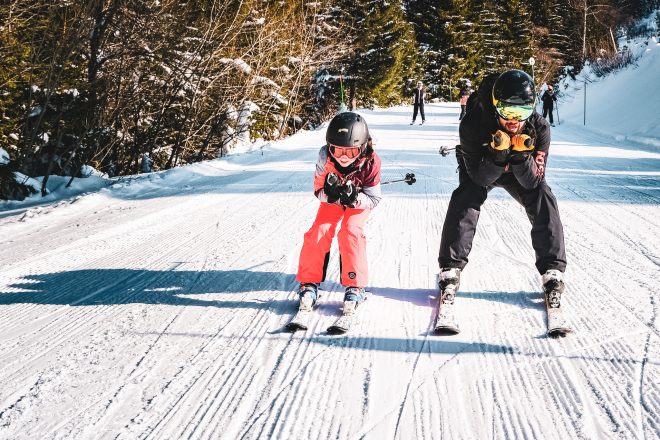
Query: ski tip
336, 330
559, 332
294, 326
446, 331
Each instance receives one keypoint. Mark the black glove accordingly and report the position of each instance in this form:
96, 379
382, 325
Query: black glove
331, 187
498, 149
348, 195
522, 147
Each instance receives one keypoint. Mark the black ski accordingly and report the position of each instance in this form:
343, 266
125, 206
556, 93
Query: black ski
445, 319
558, 325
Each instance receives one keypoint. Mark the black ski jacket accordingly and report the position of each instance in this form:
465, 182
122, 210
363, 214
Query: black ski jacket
548, 99
419, 96
476, 130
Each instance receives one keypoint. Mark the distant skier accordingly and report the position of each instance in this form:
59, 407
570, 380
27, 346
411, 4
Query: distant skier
549, 98
146, 163
419, 96
503, 143
465, 94
347, 182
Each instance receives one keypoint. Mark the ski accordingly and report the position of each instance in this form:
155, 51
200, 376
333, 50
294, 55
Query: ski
558, 325
553, 287
348, 317
303, 317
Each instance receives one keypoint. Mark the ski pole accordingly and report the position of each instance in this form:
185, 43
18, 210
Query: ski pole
558, 123
444, 151
342, 105
409, 179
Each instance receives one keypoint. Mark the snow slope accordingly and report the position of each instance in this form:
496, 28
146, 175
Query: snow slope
624, 104
154, 308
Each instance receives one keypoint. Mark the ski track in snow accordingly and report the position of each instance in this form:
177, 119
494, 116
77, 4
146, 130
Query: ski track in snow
154, 309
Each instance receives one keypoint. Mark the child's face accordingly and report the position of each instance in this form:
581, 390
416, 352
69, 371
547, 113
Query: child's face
345, 161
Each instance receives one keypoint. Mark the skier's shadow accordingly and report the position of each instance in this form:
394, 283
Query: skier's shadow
92, 287
429, 297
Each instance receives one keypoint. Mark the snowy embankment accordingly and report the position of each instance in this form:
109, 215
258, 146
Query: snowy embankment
153, 308
623, 105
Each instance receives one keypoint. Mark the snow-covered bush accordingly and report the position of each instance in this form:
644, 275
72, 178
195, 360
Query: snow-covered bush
14, 185
604, 66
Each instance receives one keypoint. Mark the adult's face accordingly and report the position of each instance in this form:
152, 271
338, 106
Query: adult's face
511, 125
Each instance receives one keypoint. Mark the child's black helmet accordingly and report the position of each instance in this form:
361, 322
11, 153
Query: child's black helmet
347, 129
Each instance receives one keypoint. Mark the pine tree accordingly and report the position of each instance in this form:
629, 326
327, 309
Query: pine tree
462, 47
493, 37
385, 53
518, 34
424, 15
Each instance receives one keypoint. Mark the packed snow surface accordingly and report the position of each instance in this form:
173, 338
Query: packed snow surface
155, 307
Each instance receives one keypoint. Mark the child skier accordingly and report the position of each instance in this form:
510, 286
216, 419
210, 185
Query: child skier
347, 182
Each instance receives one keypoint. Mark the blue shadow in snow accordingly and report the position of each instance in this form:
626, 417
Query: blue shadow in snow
178, 287
128, 286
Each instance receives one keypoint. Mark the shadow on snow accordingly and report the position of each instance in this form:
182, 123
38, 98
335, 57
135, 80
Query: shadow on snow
93, 287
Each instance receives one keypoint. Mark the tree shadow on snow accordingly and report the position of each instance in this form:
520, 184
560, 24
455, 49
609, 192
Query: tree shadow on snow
93, 287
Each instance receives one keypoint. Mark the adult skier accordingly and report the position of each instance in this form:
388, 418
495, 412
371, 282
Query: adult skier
503, 143
419, 96
347, 183
549, 98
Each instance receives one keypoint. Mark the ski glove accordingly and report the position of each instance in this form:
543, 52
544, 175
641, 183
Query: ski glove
331, 187
348, 194
521, 147
499, 147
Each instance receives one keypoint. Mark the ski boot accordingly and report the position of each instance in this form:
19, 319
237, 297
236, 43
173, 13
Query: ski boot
356, 294
553, 287
353, 297
448, 282
308, 294
412, 122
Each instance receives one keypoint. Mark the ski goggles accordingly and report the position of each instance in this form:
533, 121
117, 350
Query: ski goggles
513, 111
350, 152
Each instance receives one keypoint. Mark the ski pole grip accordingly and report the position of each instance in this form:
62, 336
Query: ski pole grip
332, 179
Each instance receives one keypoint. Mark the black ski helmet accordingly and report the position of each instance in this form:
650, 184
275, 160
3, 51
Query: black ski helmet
514, 88
348, 129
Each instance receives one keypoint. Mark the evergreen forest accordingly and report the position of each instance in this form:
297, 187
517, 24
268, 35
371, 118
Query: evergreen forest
104, 82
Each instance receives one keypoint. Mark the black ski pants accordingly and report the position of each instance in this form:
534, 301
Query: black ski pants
463, 213
419, 107
547, 111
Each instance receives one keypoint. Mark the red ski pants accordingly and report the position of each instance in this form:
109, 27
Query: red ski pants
352, 245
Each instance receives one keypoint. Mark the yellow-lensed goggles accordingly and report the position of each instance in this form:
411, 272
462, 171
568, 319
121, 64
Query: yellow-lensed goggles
513, 111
